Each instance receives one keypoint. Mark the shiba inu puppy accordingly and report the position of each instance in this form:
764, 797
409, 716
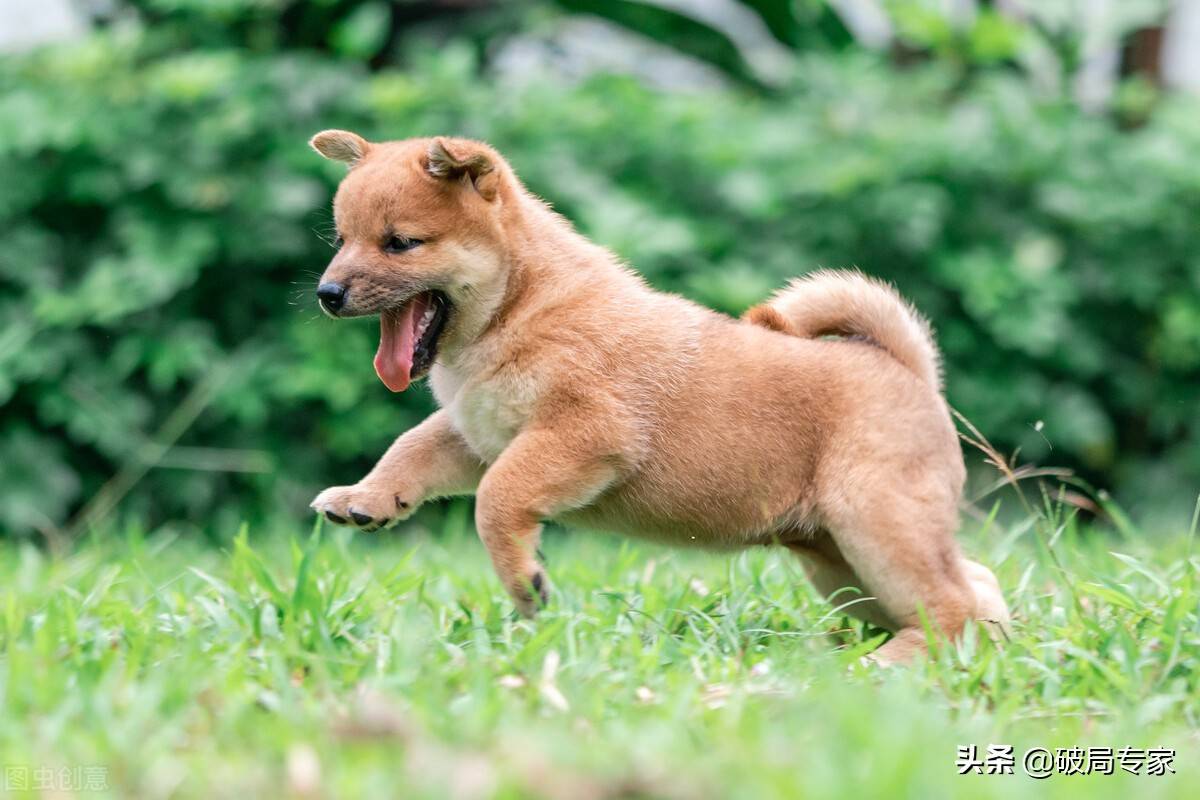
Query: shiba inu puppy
571, 390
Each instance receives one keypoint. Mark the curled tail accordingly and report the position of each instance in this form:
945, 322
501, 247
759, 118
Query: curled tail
845, 303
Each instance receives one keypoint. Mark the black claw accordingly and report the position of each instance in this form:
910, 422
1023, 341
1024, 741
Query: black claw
360, 519
334, 518
539, 586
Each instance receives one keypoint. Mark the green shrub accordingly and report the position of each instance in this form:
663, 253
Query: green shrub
163, 224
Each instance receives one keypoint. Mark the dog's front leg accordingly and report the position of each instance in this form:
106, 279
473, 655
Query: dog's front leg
542, 472
431, 460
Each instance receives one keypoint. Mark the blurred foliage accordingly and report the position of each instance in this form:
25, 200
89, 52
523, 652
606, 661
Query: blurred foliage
164, 221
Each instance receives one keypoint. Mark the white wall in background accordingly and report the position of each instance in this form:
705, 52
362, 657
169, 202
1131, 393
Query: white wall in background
768, 58
866, 20
1181, 50
25, 23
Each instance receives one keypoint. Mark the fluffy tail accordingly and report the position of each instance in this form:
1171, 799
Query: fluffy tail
843, 303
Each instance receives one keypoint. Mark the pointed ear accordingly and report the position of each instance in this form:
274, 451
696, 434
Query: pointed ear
344, 146
452, 161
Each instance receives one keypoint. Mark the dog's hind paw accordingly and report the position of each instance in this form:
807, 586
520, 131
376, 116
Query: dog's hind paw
364, 507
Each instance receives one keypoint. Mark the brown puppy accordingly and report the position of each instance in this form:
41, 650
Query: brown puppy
571, 390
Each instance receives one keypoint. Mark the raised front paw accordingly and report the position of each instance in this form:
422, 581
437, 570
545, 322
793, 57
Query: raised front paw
364, 507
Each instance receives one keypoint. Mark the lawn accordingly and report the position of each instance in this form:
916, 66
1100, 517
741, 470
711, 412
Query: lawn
330, 664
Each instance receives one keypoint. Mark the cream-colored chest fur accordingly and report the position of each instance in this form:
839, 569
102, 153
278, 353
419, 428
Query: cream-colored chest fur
487, 411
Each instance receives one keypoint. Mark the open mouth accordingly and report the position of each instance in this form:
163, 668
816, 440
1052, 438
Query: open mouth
408, 339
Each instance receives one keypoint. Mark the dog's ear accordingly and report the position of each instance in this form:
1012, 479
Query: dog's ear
458, 160
344, 146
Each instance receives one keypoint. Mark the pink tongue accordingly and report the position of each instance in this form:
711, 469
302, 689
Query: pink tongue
397, 340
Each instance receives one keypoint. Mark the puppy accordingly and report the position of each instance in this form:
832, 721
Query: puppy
570, 390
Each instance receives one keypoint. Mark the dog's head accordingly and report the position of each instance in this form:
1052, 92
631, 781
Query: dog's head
420, 243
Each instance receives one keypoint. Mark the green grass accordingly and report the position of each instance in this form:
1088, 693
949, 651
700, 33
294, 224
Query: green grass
391, 666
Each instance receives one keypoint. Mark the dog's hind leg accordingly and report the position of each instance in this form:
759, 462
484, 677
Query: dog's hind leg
904, 553
835, 580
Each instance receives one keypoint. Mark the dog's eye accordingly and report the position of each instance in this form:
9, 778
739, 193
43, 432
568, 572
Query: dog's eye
400, 244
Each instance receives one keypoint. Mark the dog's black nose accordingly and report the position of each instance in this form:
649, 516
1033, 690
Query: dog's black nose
331, 295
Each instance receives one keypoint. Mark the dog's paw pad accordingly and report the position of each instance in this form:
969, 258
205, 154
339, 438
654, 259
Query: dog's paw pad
364, 508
